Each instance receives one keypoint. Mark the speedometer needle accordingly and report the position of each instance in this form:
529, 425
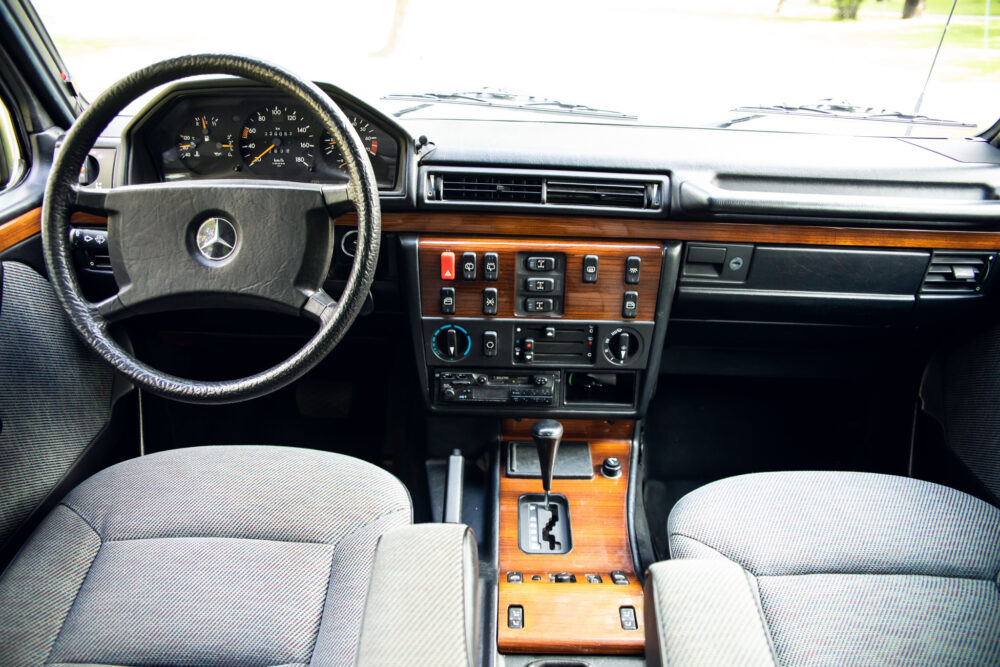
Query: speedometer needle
266, 151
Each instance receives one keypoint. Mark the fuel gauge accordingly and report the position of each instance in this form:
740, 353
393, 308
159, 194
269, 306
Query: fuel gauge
203, 146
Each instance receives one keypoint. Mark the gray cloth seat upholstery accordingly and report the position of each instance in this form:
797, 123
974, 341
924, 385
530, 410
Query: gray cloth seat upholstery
204, 556
840, 568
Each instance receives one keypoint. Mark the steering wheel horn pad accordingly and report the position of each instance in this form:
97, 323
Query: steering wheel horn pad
218, 243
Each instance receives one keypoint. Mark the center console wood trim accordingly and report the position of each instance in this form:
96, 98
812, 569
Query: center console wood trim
583, 301
680, 230
572, 618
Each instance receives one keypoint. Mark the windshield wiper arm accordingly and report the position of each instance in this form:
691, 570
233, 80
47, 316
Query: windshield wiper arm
842, 110
502, 100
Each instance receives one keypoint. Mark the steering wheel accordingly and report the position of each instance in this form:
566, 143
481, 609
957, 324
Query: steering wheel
196, 244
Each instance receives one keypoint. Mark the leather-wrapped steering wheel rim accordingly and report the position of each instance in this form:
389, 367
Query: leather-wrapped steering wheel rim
63, 197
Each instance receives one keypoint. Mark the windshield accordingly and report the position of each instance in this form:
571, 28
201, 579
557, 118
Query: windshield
744, 64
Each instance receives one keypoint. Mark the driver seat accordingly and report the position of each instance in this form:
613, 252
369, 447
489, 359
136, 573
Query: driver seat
240, 555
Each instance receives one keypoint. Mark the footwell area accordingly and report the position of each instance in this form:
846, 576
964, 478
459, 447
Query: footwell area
700, 429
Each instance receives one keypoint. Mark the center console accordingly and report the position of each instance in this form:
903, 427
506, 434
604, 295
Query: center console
529, 328
522, 325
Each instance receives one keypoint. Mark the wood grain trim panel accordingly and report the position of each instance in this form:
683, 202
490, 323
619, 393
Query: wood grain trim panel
20, 228
583, 301
681, 230
572, 618
28, 224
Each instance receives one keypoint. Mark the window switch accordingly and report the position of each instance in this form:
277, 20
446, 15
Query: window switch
515, 617
627, 616
514, 578
618, 577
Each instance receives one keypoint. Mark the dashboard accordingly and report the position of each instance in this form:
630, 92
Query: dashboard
246, 133
539, 264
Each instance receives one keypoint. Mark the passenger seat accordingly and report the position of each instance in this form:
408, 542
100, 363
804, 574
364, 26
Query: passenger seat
826, 568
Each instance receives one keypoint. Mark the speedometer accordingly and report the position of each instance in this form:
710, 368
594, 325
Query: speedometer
278, 140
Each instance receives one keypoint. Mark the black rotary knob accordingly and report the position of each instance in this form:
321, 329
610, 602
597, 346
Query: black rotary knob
621, 346
451, 342
612, 467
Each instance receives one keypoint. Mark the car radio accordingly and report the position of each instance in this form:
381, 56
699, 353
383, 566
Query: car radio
490, 388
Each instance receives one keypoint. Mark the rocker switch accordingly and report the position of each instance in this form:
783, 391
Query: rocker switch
447, 265
590, 263
515, 617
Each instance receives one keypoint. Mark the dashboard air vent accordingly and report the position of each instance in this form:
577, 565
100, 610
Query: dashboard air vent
956, 272
600, 193
488, 187
641, 195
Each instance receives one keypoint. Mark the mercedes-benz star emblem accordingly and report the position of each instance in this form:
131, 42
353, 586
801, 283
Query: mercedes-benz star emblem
216, 238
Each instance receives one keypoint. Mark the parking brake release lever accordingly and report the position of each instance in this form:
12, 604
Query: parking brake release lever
547, 433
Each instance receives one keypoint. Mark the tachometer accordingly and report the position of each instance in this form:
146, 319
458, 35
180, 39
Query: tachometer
369, 138
203, 147
278, 140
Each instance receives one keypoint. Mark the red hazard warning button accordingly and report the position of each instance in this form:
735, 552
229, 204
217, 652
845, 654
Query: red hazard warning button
447, 265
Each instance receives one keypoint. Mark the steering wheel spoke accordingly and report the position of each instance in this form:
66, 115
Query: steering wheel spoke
339, 198
90, 200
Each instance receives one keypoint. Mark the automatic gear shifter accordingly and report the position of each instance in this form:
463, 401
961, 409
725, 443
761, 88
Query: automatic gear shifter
547, 433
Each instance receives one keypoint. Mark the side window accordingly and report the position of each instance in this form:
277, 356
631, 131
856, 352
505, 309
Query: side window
11, 160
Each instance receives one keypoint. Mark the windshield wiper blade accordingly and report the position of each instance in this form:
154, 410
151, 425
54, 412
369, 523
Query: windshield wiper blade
502, 100
842, 110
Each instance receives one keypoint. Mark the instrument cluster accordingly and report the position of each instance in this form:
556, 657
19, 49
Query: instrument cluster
260, 136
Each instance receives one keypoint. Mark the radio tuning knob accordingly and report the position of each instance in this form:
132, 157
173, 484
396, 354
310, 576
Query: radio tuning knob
448, 392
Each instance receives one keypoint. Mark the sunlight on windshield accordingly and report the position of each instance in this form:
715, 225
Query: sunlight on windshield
672, 62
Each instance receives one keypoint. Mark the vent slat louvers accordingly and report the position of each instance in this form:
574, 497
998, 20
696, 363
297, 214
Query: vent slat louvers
597, 193
956, 272
490, 187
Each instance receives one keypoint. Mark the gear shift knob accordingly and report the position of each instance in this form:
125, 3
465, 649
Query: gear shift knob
547, 433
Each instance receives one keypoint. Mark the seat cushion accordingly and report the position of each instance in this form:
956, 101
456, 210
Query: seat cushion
855, 567
208, 556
